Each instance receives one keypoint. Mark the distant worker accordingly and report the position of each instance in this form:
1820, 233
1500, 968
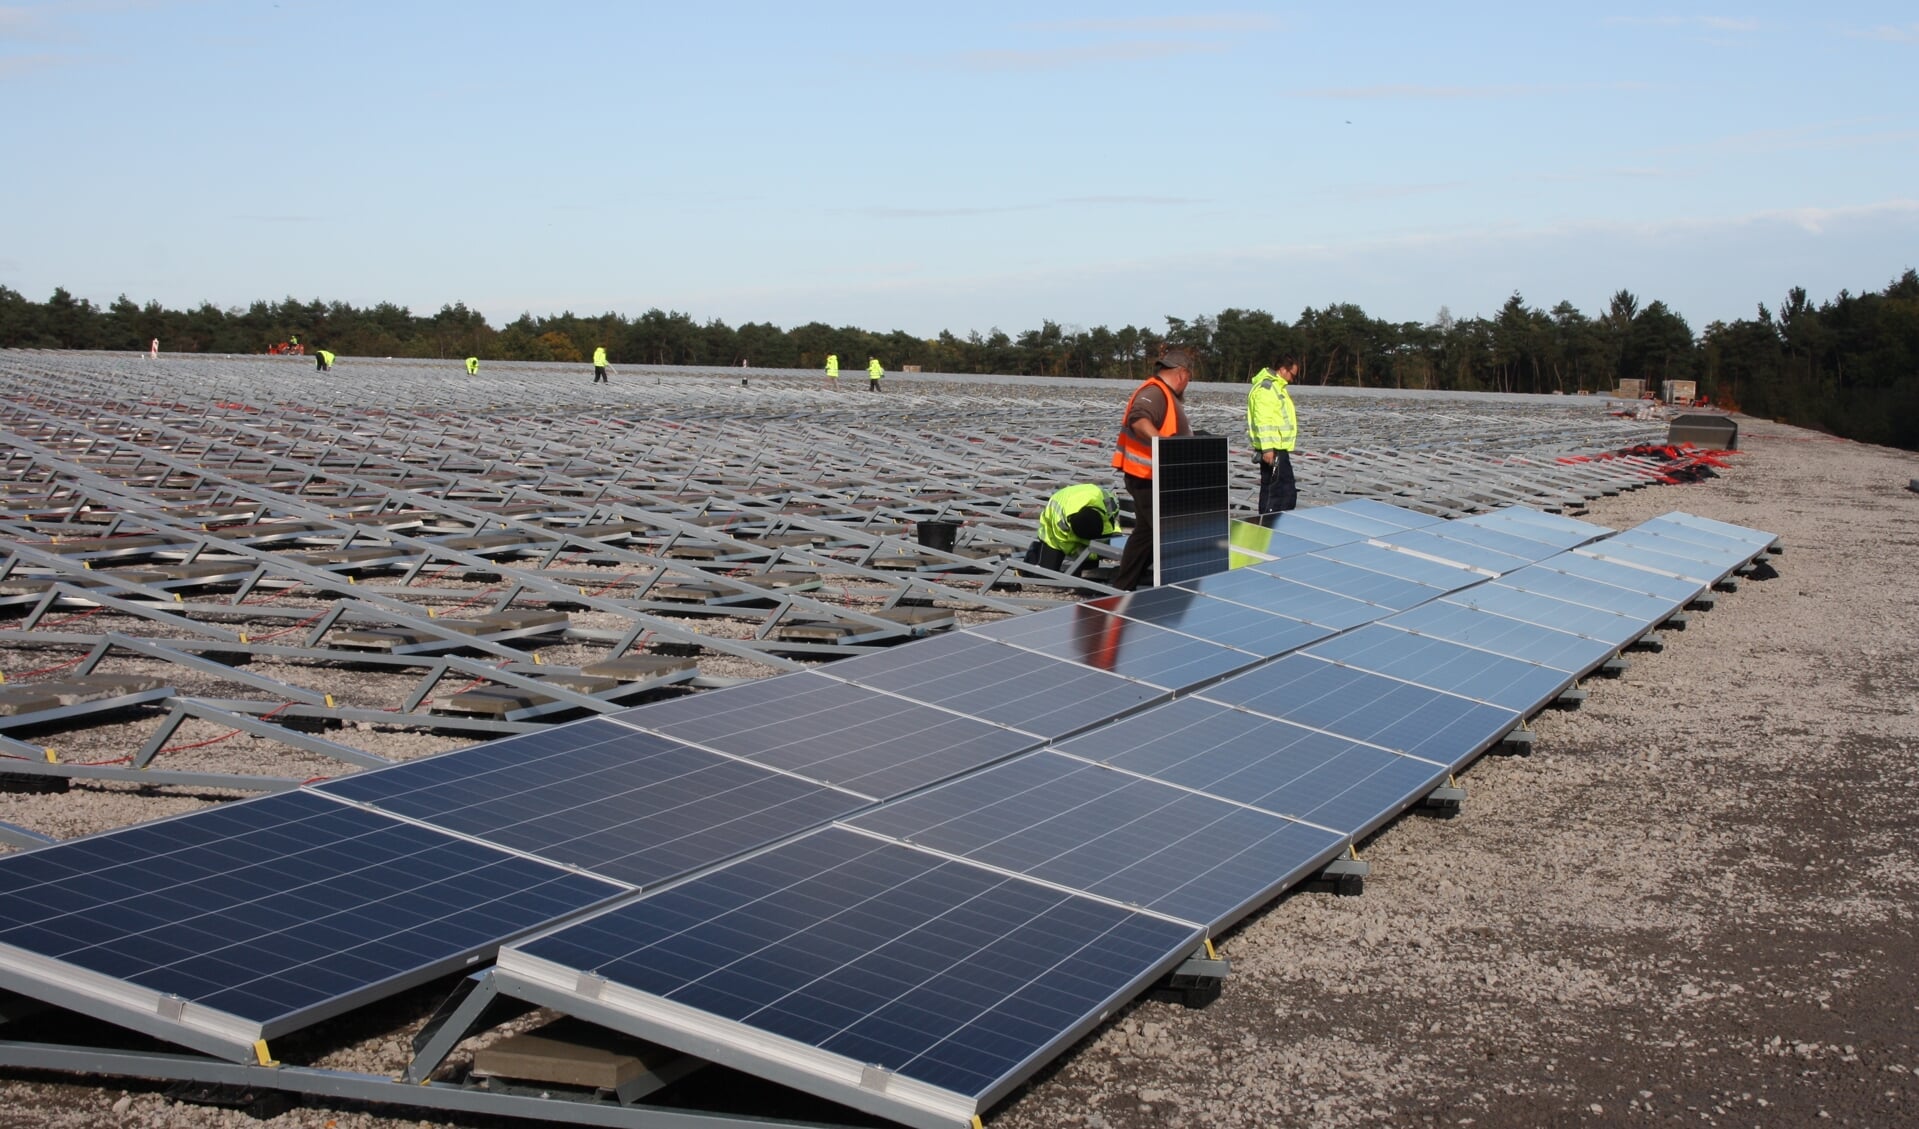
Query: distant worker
1272, 425
873, 374
832, 366
1074, 517
599, 365
153, 350
293, 340
326, 360
473, 366
1155, 408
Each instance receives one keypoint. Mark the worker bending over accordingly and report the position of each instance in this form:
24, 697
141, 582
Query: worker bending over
1074, 518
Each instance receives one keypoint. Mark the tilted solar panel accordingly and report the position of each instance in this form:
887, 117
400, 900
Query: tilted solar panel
1457, 669
1090, 636
1232, 625
247, 920
853, 737
1276, 766
888, 978
1121, 836
604, 797
1486, 630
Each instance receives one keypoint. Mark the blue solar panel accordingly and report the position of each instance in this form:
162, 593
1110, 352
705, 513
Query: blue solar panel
1389, 592
1381, 511
1189, 508
1301, 525
1518, 686
1550, 529
1502, 635
1443, 728
1356, 525
1753, 539
1272, 765
1684, 541
1265, 592
1502, 599
279, 911
1587, 563
1254, 537
839, 952
1546, 580
603, 797
1114, 834
1434, 542
1506, 542
858, 739
1233, 625
1379, 558
1091, 637
980, 678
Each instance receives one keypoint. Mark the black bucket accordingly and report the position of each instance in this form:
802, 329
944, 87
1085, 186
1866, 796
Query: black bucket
937, 534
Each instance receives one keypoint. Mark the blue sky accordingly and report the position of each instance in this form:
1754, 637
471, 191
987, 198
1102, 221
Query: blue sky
957, 166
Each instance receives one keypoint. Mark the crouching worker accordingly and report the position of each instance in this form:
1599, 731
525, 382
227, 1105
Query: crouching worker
1074, 518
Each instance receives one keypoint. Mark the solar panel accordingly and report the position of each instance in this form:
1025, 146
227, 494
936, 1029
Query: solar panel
980, 678
1507, 542
603, 797
1686, 558
1432, 542
1091, 637
1587, 563
1551, 529
1504, 597
1685, 540
1252, 537
1441, 727
262, 916
1263, 591
1488, 631
1644, 555
1755, 539
1356, 524
1273, 765
1189, 508
1548, 580
1389, 592
1382, 511
1233, 625
884, 977
1303, 526
859, 739
1406, 566
1495, 679
1121, 836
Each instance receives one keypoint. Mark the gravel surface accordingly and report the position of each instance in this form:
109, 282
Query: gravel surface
1693, 903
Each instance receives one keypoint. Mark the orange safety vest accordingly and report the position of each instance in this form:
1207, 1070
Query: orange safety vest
1135, 457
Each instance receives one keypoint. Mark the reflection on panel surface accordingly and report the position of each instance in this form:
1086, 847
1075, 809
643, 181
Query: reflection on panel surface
1092, 637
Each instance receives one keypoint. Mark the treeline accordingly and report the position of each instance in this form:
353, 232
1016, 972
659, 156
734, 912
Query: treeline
1849, 366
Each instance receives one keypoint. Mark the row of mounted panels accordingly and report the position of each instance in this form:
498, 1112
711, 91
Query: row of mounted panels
1228, 777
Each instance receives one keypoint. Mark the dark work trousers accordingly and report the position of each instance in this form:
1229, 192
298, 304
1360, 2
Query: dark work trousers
1045, 556
599, 375
1136, 559
1277, 489
873, 384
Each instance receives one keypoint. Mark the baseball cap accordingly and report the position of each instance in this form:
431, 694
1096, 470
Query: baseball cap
1175, 358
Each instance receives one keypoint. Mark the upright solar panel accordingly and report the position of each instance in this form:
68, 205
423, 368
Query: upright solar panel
1444, 728
964, 673
1232, 625
855, 738
1189, 508
1093, 637
891, 979
1115, 834
604, 797
251, 919
1276, 766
